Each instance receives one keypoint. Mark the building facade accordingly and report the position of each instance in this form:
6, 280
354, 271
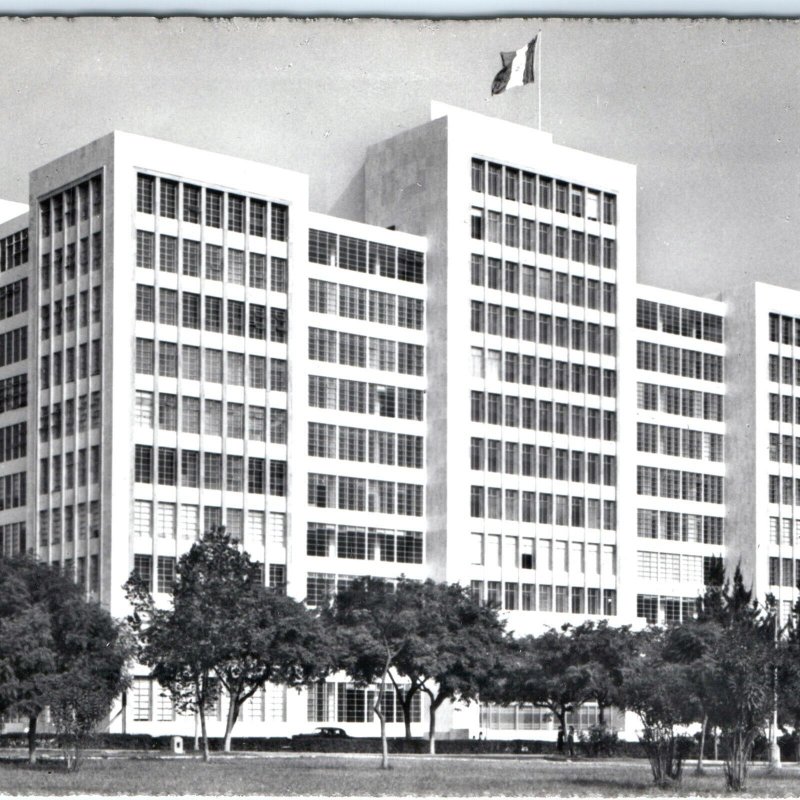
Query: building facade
450, 389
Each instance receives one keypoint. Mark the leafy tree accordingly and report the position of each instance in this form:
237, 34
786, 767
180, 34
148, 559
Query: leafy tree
452, 651
603, 650
374, 622
225, 630
52, 642
94, 651
545, 670
660, 691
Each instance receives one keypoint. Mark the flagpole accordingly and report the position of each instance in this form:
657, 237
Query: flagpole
539, 76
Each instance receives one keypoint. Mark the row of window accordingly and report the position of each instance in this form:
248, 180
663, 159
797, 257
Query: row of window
513, 324
545, 597
70, 312
321, 586
12, 490
13, 539
365, 398
783, 531
680, 321
567, 465
684, 402
14, 250
671, 567
519, 185
350, 702
358, 444
13, 298
52, 422
66, 261
57, 524
677, 527
543, 283
783, 490
220, 264
658, 610
350, 349
13, 441
784, 408
512, 367
513, 231
671, 441
784, 448
359, 255
13, 346
354, 302
63, 367
212, 418
63, 472
374, 544
209, 367
171, 199
13, 393
784, 329
492, 503
678, 361
679, 485
171, 520
784, 370
150, 703
217, 314
162, 465
497, 409
360, 494
784, 571
63, 209
512, 552
529, 717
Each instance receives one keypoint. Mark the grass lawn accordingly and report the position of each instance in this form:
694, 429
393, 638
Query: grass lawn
328, 775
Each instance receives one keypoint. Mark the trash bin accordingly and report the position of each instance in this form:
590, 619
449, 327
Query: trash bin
177, 745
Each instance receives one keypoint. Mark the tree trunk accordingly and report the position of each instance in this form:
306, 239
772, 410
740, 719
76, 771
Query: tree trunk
740, 745
716, 743
203, 732
699, 769
601, 714
378, 709
435, 703
233, 711
32, 754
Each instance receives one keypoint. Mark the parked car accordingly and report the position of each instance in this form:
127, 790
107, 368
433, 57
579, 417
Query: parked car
324, 733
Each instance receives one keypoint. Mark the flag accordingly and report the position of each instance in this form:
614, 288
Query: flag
517, 68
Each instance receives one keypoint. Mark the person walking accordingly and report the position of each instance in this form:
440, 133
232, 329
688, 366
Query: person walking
571, 742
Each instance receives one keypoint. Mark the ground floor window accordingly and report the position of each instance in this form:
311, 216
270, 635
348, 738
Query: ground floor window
537, 718
348, 702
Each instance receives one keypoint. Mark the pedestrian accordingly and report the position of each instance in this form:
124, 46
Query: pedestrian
560, 741
571, 741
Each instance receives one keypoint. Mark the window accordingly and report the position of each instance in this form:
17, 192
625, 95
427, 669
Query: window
166, 574
279, 222
145, 189
168, 197
168, 254
145, 250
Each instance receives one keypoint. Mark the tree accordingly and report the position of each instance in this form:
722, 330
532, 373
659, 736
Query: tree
545, 670
452, 651
94, 652
660, 691
603, 650
52, 641
374, 622
225, 630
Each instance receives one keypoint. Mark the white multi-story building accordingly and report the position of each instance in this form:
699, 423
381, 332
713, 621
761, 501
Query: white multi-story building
469, 385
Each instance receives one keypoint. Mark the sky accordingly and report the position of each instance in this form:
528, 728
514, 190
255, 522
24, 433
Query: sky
708, 110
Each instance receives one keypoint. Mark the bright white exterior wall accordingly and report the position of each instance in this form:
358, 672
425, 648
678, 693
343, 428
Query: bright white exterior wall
420, 181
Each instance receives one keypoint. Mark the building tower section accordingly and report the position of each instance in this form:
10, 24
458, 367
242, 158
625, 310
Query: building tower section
529, 244
15, 344
680, 456
764, 457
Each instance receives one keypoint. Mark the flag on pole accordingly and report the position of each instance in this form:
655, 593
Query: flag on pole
517, 68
